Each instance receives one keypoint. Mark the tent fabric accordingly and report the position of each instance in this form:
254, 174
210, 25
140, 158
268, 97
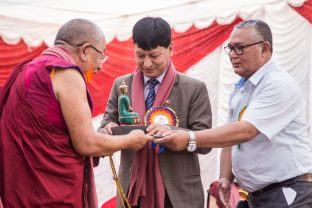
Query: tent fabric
111, 203
19, 18
305, 10
11, 55
290, 22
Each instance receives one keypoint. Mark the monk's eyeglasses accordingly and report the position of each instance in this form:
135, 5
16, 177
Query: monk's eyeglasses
104, 57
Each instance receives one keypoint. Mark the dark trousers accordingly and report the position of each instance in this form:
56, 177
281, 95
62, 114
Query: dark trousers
274, 198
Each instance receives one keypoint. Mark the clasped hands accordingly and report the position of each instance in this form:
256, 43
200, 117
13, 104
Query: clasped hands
174, 140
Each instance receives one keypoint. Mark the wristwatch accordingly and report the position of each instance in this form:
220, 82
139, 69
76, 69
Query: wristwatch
191, 147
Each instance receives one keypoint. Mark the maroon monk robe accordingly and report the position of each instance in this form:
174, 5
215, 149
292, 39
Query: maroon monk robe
38, 164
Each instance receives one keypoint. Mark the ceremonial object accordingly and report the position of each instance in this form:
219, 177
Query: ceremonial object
126, 115
160, 115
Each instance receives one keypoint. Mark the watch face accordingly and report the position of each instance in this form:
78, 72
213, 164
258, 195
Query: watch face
191, 147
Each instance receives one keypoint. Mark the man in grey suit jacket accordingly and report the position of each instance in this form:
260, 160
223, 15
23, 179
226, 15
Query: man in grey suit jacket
179, 171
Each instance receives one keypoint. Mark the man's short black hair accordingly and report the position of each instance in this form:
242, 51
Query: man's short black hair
151, 32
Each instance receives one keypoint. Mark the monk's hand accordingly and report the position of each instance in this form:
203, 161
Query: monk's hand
108, 128
157, 130
175, 140
224, 192
138, 139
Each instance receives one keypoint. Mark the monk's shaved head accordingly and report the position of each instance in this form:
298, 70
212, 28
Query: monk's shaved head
79, 31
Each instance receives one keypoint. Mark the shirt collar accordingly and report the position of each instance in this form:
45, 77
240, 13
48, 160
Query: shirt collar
240, 83
256, 77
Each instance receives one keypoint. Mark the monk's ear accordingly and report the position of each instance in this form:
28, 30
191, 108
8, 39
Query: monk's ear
83, 52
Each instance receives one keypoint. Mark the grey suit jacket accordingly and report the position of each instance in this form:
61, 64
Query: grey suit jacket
180, 170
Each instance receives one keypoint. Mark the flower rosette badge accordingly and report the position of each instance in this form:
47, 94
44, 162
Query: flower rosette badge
161, 115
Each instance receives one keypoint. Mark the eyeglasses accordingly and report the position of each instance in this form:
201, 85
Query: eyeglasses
100, 52
239, 50
104, 57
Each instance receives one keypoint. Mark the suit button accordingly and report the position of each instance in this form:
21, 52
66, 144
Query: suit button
130, 169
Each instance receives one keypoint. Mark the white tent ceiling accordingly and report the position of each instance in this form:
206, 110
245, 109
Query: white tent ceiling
38, 20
